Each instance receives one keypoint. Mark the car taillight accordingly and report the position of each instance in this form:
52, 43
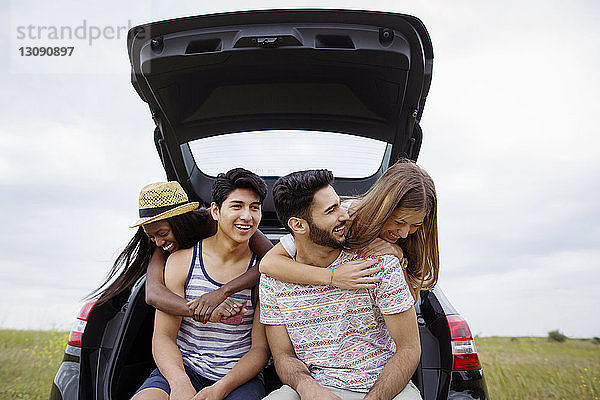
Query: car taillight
464, 353
80, 323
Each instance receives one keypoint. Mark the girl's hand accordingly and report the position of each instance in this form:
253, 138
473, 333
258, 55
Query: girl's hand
379, 247
227, 309
203, 306
356, 274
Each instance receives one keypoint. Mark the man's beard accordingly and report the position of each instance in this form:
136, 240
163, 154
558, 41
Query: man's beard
324, 238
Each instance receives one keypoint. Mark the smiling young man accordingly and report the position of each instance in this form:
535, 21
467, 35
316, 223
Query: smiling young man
331, 343
219, 359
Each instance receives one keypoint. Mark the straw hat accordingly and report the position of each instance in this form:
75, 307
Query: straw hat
163, 200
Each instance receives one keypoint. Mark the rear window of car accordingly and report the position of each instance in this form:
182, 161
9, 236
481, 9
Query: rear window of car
279, 152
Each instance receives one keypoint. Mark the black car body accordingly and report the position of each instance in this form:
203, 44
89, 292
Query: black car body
326, 73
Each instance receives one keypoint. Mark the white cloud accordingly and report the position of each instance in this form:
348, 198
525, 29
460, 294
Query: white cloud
556, 291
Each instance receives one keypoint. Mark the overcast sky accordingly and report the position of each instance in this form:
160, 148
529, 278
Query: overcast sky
510, 138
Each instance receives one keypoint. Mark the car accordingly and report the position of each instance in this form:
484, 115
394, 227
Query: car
274, 91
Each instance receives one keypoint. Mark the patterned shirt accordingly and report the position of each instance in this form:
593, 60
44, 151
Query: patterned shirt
339, 334
212, 349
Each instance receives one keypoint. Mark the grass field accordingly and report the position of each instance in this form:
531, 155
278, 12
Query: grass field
28, 362
514, 368
534, 368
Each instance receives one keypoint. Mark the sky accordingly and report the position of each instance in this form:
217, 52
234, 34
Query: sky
510, 139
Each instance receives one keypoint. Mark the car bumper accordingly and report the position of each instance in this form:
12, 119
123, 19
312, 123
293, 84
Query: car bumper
467, 385
66, 381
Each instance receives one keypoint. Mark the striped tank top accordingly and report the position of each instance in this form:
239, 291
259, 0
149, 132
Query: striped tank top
212, 349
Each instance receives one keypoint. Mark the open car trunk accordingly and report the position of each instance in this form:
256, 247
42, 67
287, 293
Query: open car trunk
315, 79
283, 90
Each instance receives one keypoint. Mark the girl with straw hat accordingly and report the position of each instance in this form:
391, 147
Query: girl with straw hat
167, 222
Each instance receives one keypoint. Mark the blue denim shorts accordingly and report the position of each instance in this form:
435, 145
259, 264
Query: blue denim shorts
253, 389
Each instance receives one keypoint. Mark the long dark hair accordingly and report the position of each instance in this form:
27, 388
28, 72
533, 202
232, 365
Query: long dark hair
133, 261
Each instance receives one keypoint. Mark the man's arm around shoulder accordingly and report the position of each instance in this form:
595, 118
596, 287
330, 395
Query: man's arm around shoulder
164, 341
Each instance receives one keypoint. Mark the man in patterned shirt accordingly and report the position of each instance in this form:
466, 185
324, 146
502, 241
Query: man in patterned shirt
331, 343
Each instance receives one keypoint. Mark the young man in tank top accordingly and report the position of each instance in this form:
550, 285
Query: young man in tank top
331, 343
220, 359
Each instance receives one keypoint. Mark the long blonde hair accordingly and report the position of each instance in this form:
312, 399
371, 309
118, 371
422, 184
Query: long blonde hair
406, 186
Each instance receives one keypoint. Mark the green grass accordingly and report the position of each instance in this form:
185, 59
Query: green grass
28, 362
535, 368
514, 368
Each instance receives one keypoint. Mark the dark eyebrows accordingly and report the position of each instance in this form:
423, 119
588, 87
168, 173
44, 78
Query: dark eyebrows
242, 202
331, 207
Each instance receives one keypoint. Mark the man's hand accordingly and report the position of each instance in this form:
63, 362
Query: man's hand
212, 392
183, 391
203, 306
310, 390
322, 394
